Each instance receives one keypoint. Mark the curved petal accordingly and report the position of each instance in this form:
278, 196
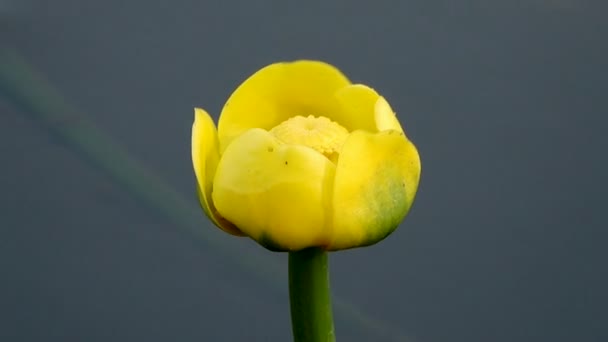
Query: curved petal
277, 194
278, 92
205, 157
385, 117
357, 103
363, 108
376, 181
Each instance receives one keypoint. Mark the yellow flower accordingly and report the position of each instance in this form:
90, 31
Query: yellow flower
303, 158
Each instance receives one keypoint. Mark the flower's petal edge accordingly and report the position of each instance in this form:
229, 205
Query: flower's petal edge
384, 116
205, 157
357, 107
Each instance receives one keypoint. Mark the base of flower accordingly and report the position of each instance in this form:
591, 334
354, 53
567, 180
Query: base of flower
309, 296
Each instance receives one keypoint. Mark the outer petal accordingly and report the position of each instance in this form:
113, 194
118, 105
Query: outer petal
357, 103
376, 181
205, 157
277, 194
278, 92
385, 117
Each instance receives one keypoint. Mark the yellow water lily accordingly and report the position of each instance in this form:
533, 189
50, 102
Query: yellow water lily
301, 157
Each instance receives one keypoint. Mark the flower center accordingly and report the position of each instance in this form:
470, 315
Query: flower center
318, 133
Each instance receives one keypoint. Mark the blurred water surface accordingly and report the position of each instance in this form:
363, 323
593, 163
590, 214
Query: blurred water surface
506, 102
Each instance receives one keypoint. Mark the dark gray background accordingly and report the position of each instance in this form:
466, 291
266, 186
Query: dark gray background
504, 99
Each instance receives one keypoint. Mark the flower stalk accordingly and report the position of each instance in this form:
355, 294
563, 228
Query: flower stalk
309, 296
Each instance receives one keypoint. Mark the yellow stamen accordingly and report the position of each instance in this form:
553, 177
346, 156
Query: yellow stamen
319, 133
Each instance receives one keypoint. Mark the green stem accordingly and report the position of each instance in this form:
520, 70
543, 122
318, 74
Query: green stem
311, 314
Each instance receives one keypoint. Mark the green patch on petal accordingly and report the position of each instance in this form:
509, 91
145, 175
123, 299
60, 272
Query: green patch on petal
266, 241
376, 181
388, 203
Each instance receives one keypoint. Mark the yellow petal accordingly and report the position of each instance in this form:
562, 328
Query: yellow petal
357, 107
385, 117
376, 181
363, 108
276, 194
278, 92
205, 157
